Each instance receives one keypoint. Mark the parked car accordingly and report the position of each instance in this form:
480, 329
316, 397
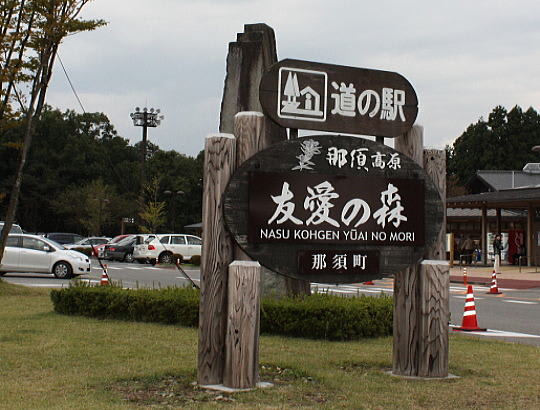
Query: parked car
15, 229
63, 237
36, 254
88, 244
120, 251
164, 246
100, 249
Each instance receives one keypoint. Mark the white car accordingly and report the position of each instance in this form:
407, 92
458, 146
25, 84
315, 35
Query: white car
32, 253
88, 243
161, 248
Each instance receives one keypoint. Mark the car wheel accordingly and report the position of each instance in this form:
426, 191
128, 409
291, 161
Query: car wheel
128, 257
63, 270
166, 257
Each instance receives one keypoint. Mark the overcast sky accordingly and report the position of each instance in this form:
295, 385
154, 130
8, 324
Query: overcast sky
462, 57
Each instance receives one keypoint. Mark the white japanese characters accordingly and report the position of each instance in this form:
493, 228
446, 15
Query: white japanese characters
319, 202
302, 95
322, 261
360, 158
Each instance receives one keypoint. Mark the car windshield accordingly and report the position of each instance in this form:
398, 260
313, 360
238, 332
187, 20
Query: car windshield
126, 241
117, 239
54, 243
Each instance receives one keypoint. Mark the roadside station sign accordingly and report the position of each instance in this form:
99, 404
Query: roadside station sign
325, 97
332, 208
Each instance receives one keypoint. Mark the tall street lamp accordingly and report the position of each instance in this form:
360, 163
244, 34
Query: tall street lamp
145, 118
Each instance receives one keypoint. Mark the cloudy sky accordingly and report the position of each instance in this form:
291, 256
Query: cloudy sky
462, 57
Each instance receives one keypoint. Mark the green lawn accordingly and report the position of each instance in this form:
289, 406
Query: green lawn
60, 362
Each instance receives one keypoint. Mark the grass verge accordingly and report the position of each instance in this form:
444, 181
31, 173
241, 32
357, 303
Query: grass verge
55, 361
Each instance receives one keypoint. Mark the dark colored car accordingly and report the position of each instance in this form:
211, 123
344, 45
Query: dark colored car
121, 251
63, 238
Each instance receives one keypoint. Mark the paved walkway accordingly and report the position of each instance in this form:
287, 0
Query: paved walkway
508, 276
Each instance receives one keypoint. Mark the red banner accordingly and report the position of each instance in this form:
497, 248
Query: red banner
516, 245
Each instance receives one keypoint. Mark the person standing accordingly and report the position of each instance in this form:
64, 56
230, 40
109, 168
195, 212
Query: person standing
467, 248
497, 249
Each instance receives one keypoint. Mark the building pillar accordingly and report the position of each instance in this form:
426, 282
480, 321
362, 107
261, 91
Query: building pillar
499, 224
530, 233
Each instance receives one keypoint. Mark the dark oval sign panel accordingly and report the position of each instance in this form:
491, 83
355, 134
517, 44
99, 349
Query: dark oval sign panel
326, 97
332, 209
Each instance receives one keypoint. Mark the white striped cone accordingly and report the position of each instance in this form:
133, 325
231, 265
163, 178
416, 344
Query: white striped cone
494, 289
469, 314
104, 277
465, 275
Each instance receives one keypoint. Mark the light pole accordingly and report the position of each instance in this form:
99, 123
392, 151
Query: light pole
145, 118
173, 195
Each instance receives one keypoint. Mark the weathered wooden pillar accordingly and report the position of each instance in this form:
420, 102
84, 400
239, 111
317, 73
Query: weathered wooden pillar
433, 319
498, 220
421, 311
248, 130
217, 254
483, 240
251, 138
406, 285
435, 285
405, 329
242, 338
412, 144
435, 165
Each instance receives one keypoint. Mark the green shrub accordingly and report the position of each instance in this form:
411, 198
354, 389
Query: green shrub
317, 316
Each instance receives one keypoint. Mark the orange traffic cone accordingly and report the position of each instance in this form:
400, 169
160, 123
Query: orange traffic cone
465, 275
494, 289
104, 277
469, 315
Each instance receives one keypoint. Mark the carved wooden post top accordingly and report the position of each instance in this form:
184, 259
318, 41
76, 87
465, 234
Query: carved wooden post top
434, 262
249, 114
220, 135
247, 264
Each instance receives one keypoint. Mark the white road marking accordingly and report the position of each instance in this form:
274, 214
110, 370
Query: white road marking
465, 297
520, 301
499, 333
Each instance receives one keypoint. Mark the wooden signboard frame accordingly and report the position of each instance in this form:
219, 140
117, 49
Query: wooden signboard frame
278, 163
326, 97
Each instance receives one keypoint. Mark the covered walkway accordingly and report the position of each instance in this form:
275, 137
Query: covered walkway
527, 199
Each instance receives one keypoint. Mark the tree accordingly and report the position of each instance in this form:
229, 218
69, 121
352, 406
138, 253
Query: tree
95, 206
503, 142
32, 31
152, 211
69, 149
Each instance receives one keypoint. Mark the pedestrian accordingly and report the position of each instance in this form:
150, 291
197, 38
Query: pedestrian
497, 248
467, 247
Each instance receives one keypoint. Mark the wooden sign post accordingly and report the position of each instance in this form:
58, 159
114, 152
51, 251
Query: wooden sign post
242, 339
324, 208
421, 311
217, 254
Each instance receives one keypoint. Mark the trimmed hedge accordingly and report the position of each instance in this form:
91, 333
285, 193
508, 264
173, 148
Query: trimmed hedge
318, 316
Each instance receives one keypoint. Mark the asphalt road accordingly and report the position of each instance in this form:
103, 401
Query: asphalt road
515, 313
